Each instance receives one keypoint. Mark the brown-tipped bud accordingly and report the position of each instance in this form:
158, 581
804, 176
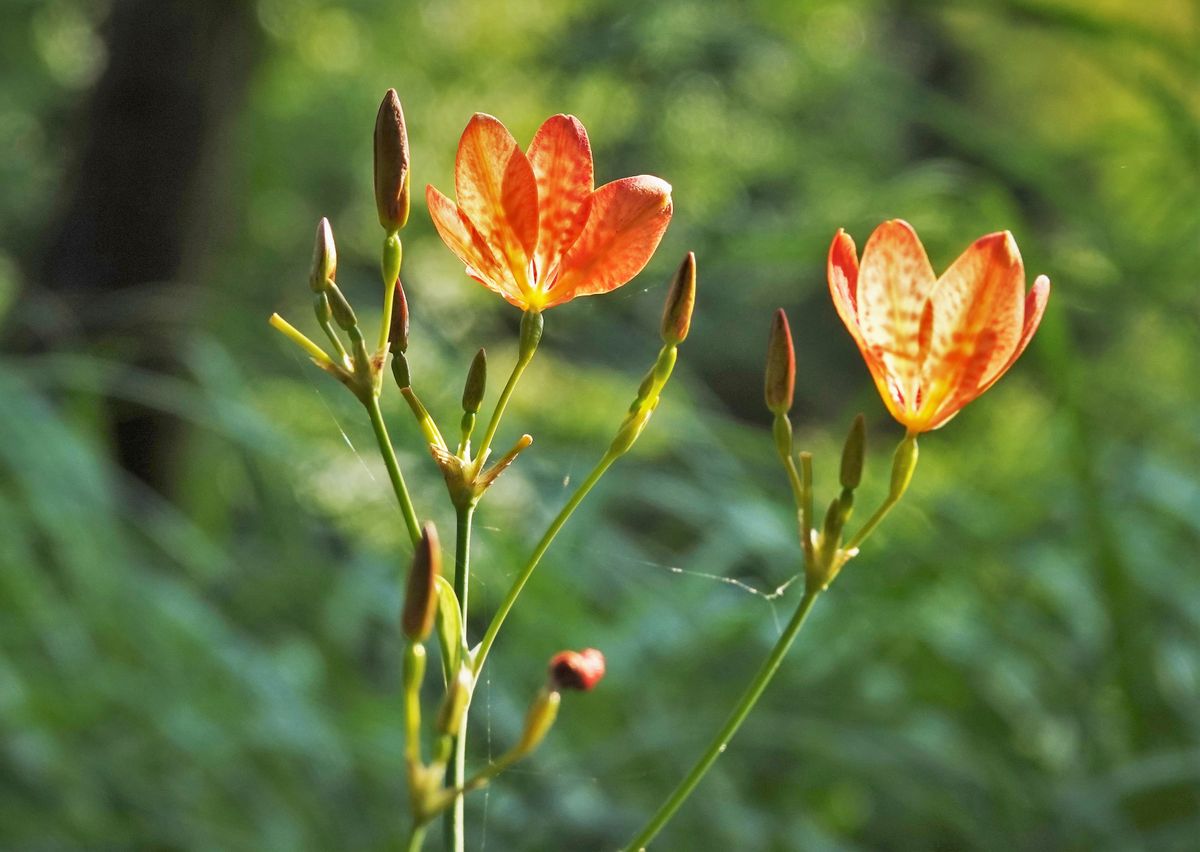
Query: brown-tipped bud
420, 596
324, 259
343, 314
853, 453
391, 164
677, 315
579, 670
398, 332
781, 366
476, 384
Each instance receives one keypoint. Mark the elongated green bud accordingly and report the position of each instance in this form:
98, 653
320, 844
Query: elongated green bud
398, 331
324, 259
904, 464
681, 300
538, 721
476, 383
458, 696
780, 382
531, 333
853, 452
391, 164
343, 314
420, 595
321, 308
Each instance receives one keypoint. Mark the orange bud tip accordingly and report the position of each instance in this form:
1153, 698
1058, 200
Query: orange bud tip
579, 670
681, 300
780, 383
420, 596
324, 259
391, 164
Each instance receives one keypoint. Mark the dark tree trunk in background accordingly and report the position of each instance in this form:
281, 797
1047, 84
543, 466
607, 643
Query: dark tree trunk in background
114, 274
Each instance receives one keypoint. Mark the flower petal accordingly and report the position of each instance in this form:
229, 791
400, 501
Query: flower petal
977, 318
561, 157
1035, 306
497, 192
460, 237
894, 281
628, 219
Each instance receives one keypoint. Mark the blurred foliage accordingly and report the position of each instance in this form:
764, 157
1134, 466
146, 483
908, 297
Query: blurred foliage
1013, 661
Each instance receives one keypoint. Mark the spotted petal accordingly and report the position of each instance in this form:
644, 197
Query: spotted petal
627, 222
561, 157
461, 237
497, 193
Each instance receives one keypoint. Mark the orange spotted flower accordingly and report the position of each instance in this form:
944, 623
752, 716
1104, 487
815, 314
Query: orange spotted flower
531, 227
934, 344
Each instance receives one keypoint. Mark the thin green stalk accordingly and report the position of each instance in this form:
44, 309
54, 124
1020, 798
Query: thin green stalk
904, 462
393, 468
456, 772
725, 734
416, 838
501, 404
555, 526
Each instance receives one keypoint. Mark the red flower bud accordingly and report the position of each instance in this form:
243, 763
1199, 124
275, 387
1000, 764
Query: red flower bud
579, 670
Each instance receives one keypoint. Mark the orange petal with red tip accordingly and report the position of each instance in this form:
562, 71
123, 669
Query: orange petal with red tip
843, 281
894, 282
497, 192
561, 157
628, 219
461, 237
977, 317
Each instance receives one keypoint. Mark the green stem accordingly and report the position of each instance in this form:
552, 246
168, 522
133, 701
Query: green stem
393, 468
740, 712
542, 546
904, 462
531, 335
416, 838
457, 770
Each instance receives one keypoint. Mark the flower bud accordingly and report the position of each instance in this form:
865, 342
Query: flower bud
391, 164
398, 332
781, 366
538, 721
579, 670
420, 595
476, 383
677, 315
343, 314
324, 259
853, 452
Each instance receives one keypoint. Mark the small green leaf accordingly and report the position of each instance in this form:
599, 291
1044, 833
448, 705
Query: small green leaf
449, 628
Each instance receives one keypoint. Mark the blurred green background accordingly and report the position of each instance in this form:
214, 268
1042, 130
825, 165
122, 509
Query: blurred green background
199, 553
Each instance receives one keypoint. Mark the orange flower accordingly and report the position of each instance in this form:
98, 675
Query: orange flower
934, 344
530, 227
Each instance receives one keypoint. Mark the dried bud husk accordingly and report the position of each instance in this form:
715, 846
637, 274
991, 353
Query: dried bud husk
579, 670
391, 164
398, 332
343, 314
539, 720
677, 315
476, 383
420, 595
324, 259
780, 381
853, 453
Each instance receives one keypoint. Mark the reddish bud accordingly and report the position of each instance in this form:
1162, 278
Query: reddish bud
391, 164
398, 333
579, 670
420, 595
677, 315
781, 366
